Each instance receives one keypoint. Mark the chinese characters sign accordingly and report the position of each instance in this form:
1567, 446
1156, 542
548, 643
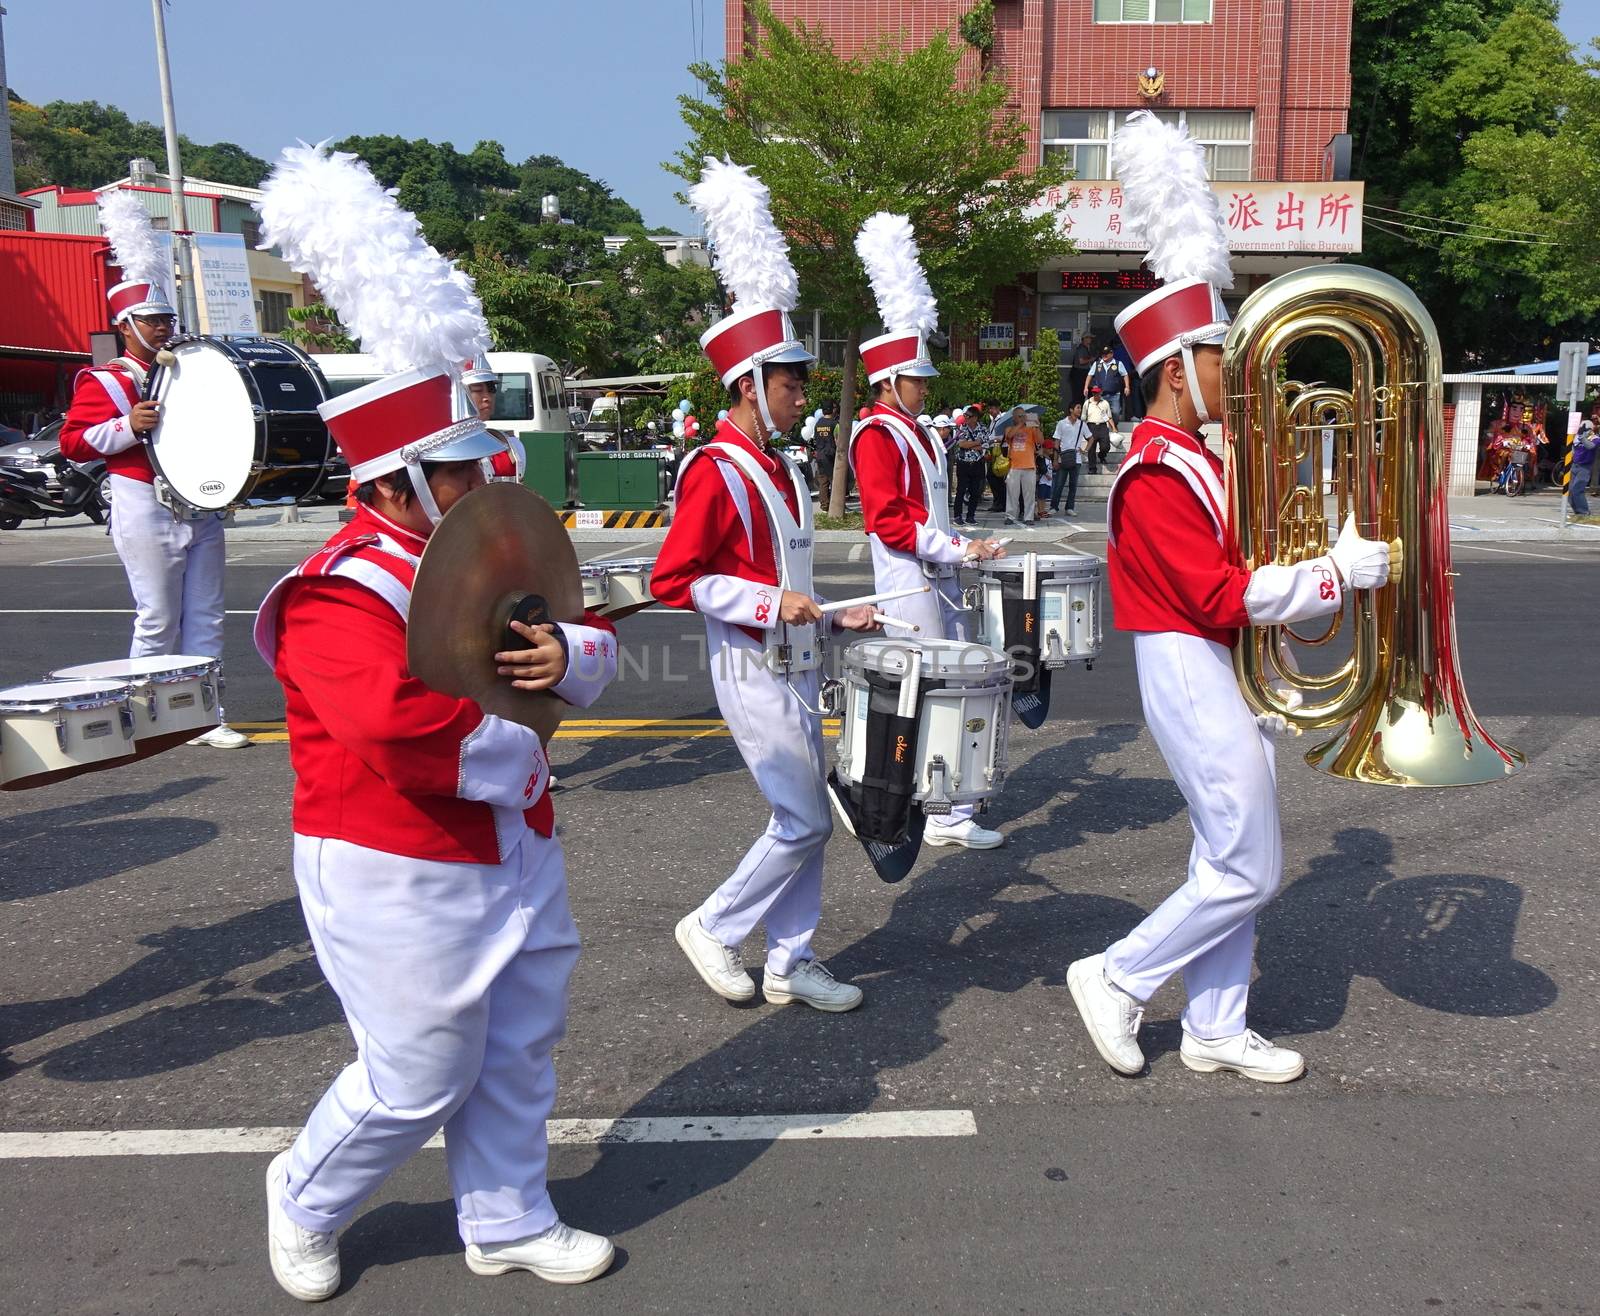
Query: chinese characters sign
225, 296
1304, 217
997, 337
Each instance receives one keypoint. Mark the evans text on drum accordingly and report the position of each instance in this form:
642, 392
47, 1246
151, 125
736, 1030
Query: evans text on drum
238, 421
59, 729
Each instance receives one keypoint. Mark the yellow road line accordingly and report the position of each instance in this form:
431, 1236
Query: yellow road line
592, 728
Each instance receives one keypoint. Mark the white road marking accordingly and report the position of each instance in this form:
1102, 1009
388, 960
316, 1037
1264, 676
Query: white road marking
632, 550
572, 1132
1509, 552
68, 561
857, 552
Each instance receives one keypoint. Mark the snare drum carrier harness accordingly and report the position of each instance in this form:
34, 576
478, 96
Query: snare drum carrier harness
933, 470
786, 649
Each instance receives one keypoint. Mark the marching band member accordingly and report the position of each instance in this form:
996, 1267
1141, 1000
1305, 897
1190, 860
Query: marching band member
482, 384
903, 474
173, 559
1180, 585
432, 882
739, 552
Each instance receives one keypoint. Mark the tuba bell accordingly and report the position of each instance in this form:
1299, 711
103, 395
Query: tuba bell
1399, 696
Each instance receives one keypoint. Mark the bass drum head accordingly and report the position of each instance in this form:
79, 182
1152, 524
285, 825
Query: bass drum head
204, 445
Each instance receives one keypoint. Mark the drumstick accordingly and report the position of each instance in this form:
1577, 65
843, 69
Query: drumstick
910, 685
883, 619
871, 598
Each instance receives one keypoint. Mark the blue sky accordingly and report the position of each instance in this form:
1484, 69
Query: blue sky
592, 81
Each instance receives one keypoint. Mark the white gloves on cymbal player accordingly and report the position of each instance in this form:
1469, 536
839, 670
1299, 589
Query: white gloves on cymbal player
1364, 563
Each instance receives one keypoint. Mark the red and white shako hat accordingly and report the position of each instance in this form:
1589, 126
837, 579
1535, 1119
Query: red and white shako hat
478, 371
752, 259
1169, 203
888, 249
410, 307
145, 266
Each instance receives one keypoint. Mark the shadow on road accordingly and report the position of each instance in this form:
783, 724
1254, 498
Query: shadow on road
1445, 941
72, 845
288, 999
992, 920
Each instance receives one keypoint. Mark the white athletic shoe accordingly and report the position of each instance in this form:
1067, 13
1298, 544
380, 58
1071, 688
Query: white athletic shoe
813, 985
1246, 1053
562, 1255
222, 737
304, 1262
967, 832
1111, 1016
718, 965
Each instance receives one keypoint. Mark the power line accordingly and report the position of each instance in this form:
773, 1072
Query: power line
1455, 223
1380, 221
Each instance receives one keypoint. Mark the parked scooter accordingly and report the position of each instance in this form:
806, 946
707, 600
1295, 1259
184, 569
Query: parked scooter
52, 486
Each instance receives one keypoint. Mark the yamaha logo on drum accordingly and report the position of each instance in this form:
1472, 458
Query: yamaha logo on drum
799, 541
212, 487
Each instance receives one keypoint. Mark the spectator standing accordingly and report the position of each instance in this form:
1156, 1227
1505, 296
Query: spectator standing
1084, 356
996, 435
1021, 447
1583, 450
1072, 436
971, 466
1108, 378
825, 450
1132, 393
1097, 412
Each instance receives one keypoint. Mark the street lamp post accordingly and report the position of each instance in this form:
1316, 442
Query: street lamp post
188, 304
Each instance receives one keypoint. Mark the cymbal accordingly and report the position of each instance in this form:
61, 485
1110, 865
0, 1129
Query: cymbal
499, 552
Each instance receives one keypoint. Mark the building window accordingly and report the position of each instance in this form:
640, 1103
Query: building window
250, 229
1081, 138
1084, 138
1152, 11
275, 311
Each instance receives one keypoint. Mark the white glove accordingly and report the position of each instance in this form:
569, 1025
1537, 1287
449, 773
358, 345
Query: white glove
1364, 563
1275, 724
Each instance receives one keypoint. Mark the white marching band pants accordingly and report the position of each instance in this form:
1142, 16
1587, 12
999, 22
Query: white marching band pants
1223, 763
780, 877
454, 980
938, 612
174, 570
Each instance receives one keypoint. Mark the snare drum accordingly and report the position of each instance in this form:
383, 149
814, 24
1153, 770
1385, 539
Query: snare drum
174, 697
1069, 605
238, 421
960, 715
58, 729
618, 587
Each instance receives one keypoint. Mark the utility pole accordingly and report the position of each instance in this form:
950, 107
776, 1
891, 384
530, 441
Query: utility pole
188, 306
8, 177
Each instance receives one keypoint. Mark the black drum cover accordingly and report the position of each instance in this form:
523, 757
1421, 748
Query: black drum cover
882, 800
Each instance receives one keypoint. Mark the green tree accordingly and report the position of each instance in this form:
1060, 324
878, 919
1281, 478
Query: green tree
317, 329
892, 128
1475, 181
1044, 379
532, 312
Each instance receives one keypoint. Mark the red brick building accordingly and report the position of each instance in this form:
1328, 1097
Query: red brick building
1264, 84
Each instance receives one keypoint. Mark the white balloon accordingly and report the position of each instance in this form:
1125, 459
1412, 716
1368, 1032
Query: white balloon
677, 429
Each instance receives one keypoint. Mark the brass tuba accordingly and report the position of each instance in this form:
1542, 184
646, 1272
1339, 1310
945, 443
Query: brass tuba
1399, 694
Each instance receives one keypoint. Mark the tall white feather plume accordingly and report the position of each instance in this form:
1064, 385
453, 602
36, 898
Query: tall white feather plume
1167, 201
888, 248
408, 305
126, 224
750, 255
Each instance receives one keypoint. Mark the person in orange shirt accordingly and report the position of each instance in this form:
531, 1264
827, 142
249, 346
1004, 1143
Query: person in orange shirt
1022, 445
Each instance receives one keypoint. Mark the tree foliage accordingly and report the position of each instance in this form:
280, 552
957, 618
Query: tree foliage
317, 329
1475, 129
893, 128
1044, 379
84, 144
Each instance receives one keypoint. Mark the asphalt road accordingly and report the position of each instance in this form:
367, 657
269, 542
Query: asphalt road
1433, 953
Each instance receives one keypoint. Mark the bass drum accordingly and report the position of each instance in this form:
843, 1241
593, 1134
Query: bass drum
239, 422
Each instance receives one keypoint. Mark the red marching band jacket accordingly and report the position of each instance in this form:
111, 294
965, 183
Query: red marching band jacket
380, 759
97, 422
718, 555
894, 504
1172, 558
